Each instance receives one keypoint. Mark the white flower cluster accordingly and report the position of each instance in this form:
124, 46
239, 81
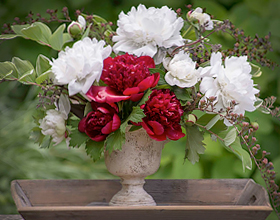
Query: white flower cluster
203, 18
79, 66
229, 82
53, 123
182, 70
148, 32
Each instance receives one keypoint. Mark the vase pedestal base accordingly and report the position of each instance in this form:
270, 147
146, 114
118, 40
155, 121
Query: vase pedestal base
132, 194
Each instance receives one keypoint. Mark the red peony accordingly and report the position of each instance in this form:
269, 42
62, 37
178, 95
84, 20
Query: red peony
127, 77
100, 122
163, 115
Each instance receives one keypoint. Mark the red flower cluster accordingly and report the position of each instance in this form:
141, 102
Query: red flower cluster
127, 77
101, 121
163, 114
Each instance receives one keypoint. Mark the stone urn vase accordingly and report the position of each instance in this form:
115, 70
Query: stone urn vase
140, 157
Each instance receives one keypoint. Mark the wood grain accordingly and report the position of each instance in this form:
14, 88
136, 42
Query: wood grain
228, 199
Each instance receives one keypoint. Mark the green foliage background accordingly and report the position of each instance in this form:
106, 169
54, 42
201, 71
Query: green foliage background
21, 159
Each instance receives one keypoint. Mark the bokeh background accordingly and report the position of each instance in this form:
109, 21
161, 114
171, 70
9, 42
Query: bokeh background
20, 158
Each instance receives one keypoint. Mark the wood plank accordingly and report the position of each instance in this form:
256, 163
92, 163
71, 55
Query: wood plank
61, 193
177, 199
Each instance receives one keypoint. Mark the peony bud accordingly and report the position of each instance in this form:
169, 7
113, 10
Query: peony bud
76, 28
255, 125
190, 119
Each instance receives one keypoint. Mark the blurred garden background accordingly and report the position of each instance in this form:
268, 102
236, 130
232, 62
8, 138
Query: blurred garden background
20, 158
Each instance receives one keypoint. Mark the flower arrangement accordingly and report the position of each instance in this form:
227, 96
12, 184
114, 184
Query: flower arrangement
158, 70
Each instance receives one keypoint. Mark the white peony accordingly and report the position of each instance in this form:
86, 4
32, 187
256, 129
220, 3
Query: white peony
203, 18
79, 66
232, 81
181, 70
53, 123
148, 32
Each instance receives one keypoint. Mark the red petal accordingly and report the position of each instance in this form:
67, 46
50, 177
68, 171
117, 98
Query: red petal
158, 129
105, 94
81, 126
103, 110
146, 83
157, 77
107, 129
116, 122
99, 138
146, 127
149, 61
136, 97
130, 91
174, 134
158, 137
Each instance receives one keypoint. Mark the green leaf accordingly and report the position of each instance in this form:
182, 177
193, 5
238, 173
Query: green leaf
135, 116
212, 122
88, 108
38, 32
8, 36
236, 148
145, 98
99, 19
66, 38
43, 77
46, 143
94, 149
230, 137
78, 138
56, 40
42, 64
182, 93
17, 28
115, 141
256, 70
86, 33
37, 136
25, 69
161, 73
194, 145
7, 70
